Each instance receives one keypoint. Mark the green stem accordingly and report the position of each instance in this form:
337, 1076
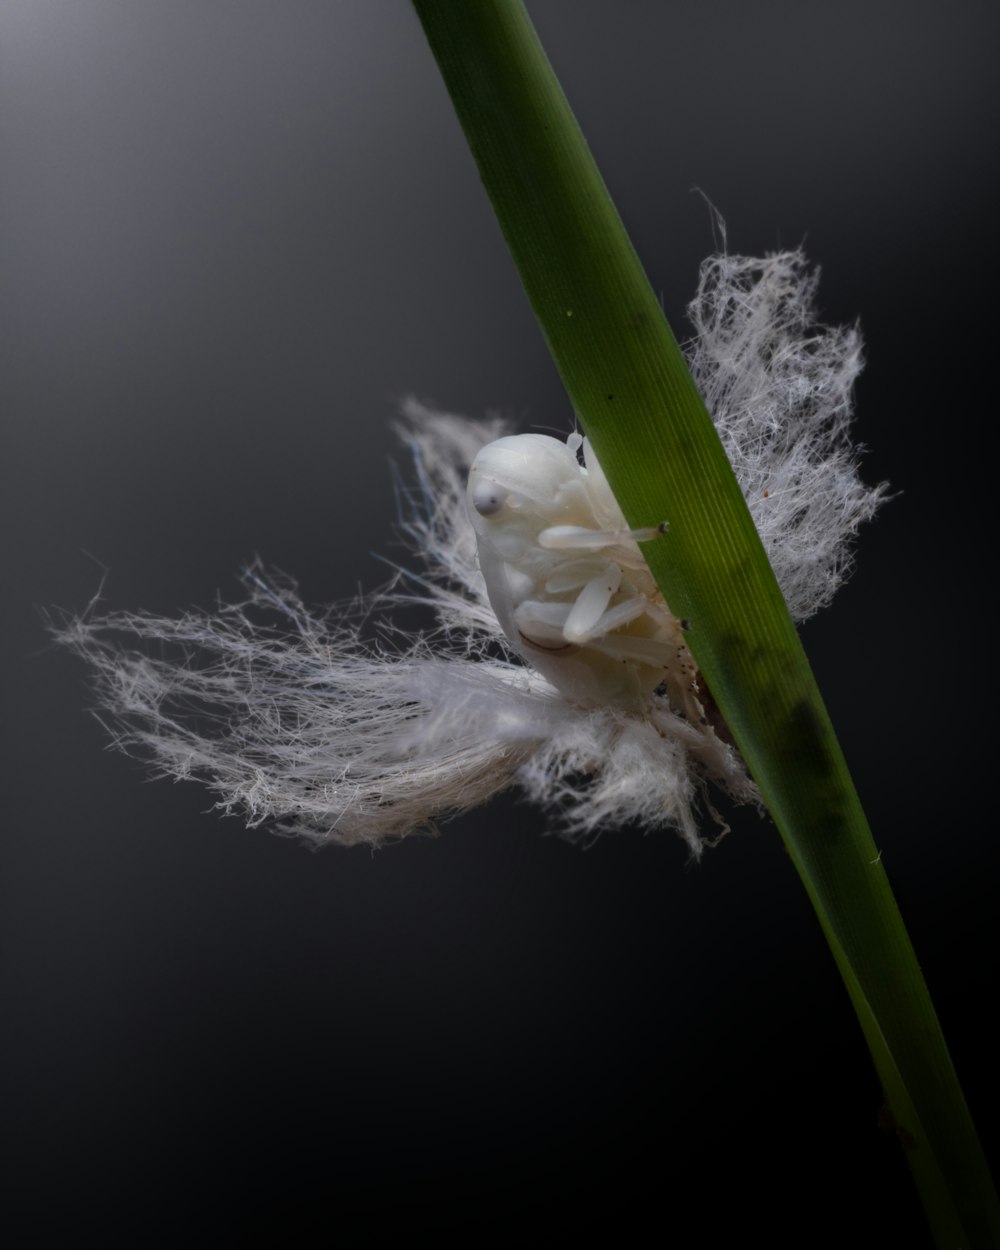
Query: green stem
631, 389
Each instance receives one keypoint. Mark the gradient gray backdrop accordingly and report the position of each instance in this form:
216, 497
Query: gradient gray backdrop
234, 233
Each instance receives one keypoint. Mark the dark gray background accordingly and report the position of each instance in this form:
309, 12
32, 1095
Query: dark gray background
234, 233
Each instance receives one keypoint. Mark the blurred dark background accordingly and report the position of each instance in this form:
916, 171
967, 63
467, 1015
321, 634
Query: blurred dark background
233, 236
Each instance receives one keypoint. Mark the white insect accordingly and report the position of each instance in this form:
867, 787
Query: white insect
566, 578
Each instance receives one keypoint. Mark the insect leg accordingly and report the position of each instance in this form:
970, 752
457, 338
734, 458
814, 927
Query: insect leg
591, 606
579, 538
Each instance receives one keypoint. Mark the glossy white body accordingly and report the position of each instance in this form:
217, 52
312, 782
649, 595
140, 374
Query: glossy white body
566, 577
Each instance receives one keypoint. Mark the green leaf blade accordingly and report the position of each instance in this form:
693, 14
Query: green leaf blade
630, 386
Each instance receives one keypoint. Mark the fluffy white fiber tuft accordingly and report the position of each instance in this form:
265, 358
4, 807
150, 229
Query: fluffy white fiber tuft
293, 719
779, 387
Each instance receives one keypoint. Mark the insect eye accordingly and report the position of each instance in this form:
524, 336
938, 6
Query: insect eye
488, 498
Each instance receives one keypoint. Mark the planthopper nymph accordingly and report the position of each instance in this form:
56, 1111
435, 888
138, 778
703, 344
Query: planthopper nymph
567, 579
